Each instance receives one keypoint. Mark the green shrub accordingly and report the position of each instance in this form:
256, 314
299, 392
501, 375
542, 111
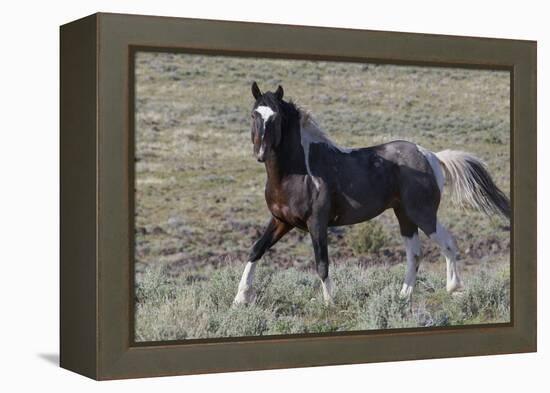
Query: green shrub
243, 321
367, 237
386, 310
487, 295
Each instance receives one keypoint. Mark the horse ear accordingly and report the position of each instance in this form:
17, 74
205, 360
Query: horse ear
256, 90
280, 92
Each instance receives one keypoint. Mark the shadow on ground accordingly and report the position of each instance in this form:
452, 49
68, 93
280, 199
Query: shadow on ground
52, 358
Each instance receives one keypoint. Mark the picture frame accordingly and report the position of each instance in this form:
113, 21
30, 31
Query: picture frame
96, 170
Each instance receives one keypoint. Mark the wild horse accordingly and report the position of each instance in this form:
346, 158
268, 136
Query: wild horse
313, 184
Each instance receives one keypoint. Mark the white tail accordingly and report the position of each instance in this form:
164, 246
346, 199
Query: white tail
470, 183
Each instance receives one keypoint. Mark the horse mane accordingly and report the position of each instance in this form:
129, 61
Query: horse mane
311, 131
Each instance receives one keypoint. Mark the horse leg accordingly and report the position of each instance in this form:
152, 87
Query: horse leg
420, 201
318, 227
274, 231
427, 221
448, 248
409, 233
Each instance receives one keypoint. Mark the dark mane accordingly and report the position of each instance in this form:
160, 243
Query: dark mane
290, 113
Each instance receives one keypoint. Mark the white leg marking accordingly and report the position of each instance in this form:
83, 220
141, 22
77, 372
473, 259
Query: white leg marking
245, 293
412, 247
327, 291
449, 250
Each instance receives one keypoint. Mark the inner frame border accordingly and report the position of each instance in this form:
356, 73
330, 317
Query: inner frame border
132, 52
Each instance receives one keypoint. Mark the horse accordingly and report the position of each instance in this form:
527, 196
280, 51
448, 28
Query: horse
312, 184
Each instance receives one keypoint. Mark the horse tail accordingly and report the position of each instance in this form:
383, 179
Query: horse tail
470, 183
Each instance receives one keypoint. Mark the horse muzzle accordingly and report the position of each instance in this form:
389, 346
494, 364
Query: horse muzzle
260, 156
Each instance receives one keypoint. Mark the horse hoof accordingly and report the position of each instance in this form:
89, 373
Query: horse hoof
406, 291
457, 294
243, 297
455, 286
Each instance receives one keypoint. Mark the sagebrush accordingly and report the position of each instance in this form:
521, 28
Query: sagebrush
290, 301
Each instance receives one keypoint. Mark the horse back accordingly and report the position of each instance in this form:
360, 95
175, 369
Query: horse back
366, 181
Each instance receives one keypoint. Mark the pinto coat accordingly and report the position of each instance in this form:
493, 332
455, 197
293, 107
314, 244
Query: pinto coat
313, 184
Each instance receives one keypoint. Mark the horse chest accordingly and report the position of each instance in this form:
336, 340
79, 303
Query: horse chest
281, 211
280, 207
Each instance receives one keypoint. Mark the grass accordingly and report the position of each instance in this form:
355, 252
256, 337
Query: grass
199, 193
290, 301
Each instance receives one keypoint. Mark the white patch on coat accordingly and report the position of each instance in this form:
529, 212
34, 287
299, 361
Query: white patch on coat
310, 133
305, 146
244, 293
412, 247
436, 166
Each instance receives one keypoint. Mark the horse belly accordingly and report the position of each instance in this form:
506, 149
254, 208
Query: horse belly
353, 208
355, 216
354, 219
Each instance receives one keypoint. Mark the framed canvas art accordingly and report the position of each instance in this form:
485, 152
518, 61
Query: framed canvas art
240, 196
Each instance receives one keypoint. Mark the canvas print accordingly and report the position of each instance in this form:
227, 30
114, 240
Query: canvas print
291, 197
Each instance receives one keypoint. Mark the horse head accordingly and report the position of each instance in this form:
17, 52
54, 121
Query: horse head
266, 121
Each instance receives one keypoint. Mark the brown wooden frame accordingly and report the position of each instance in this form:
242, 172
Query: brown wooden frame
96, 270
